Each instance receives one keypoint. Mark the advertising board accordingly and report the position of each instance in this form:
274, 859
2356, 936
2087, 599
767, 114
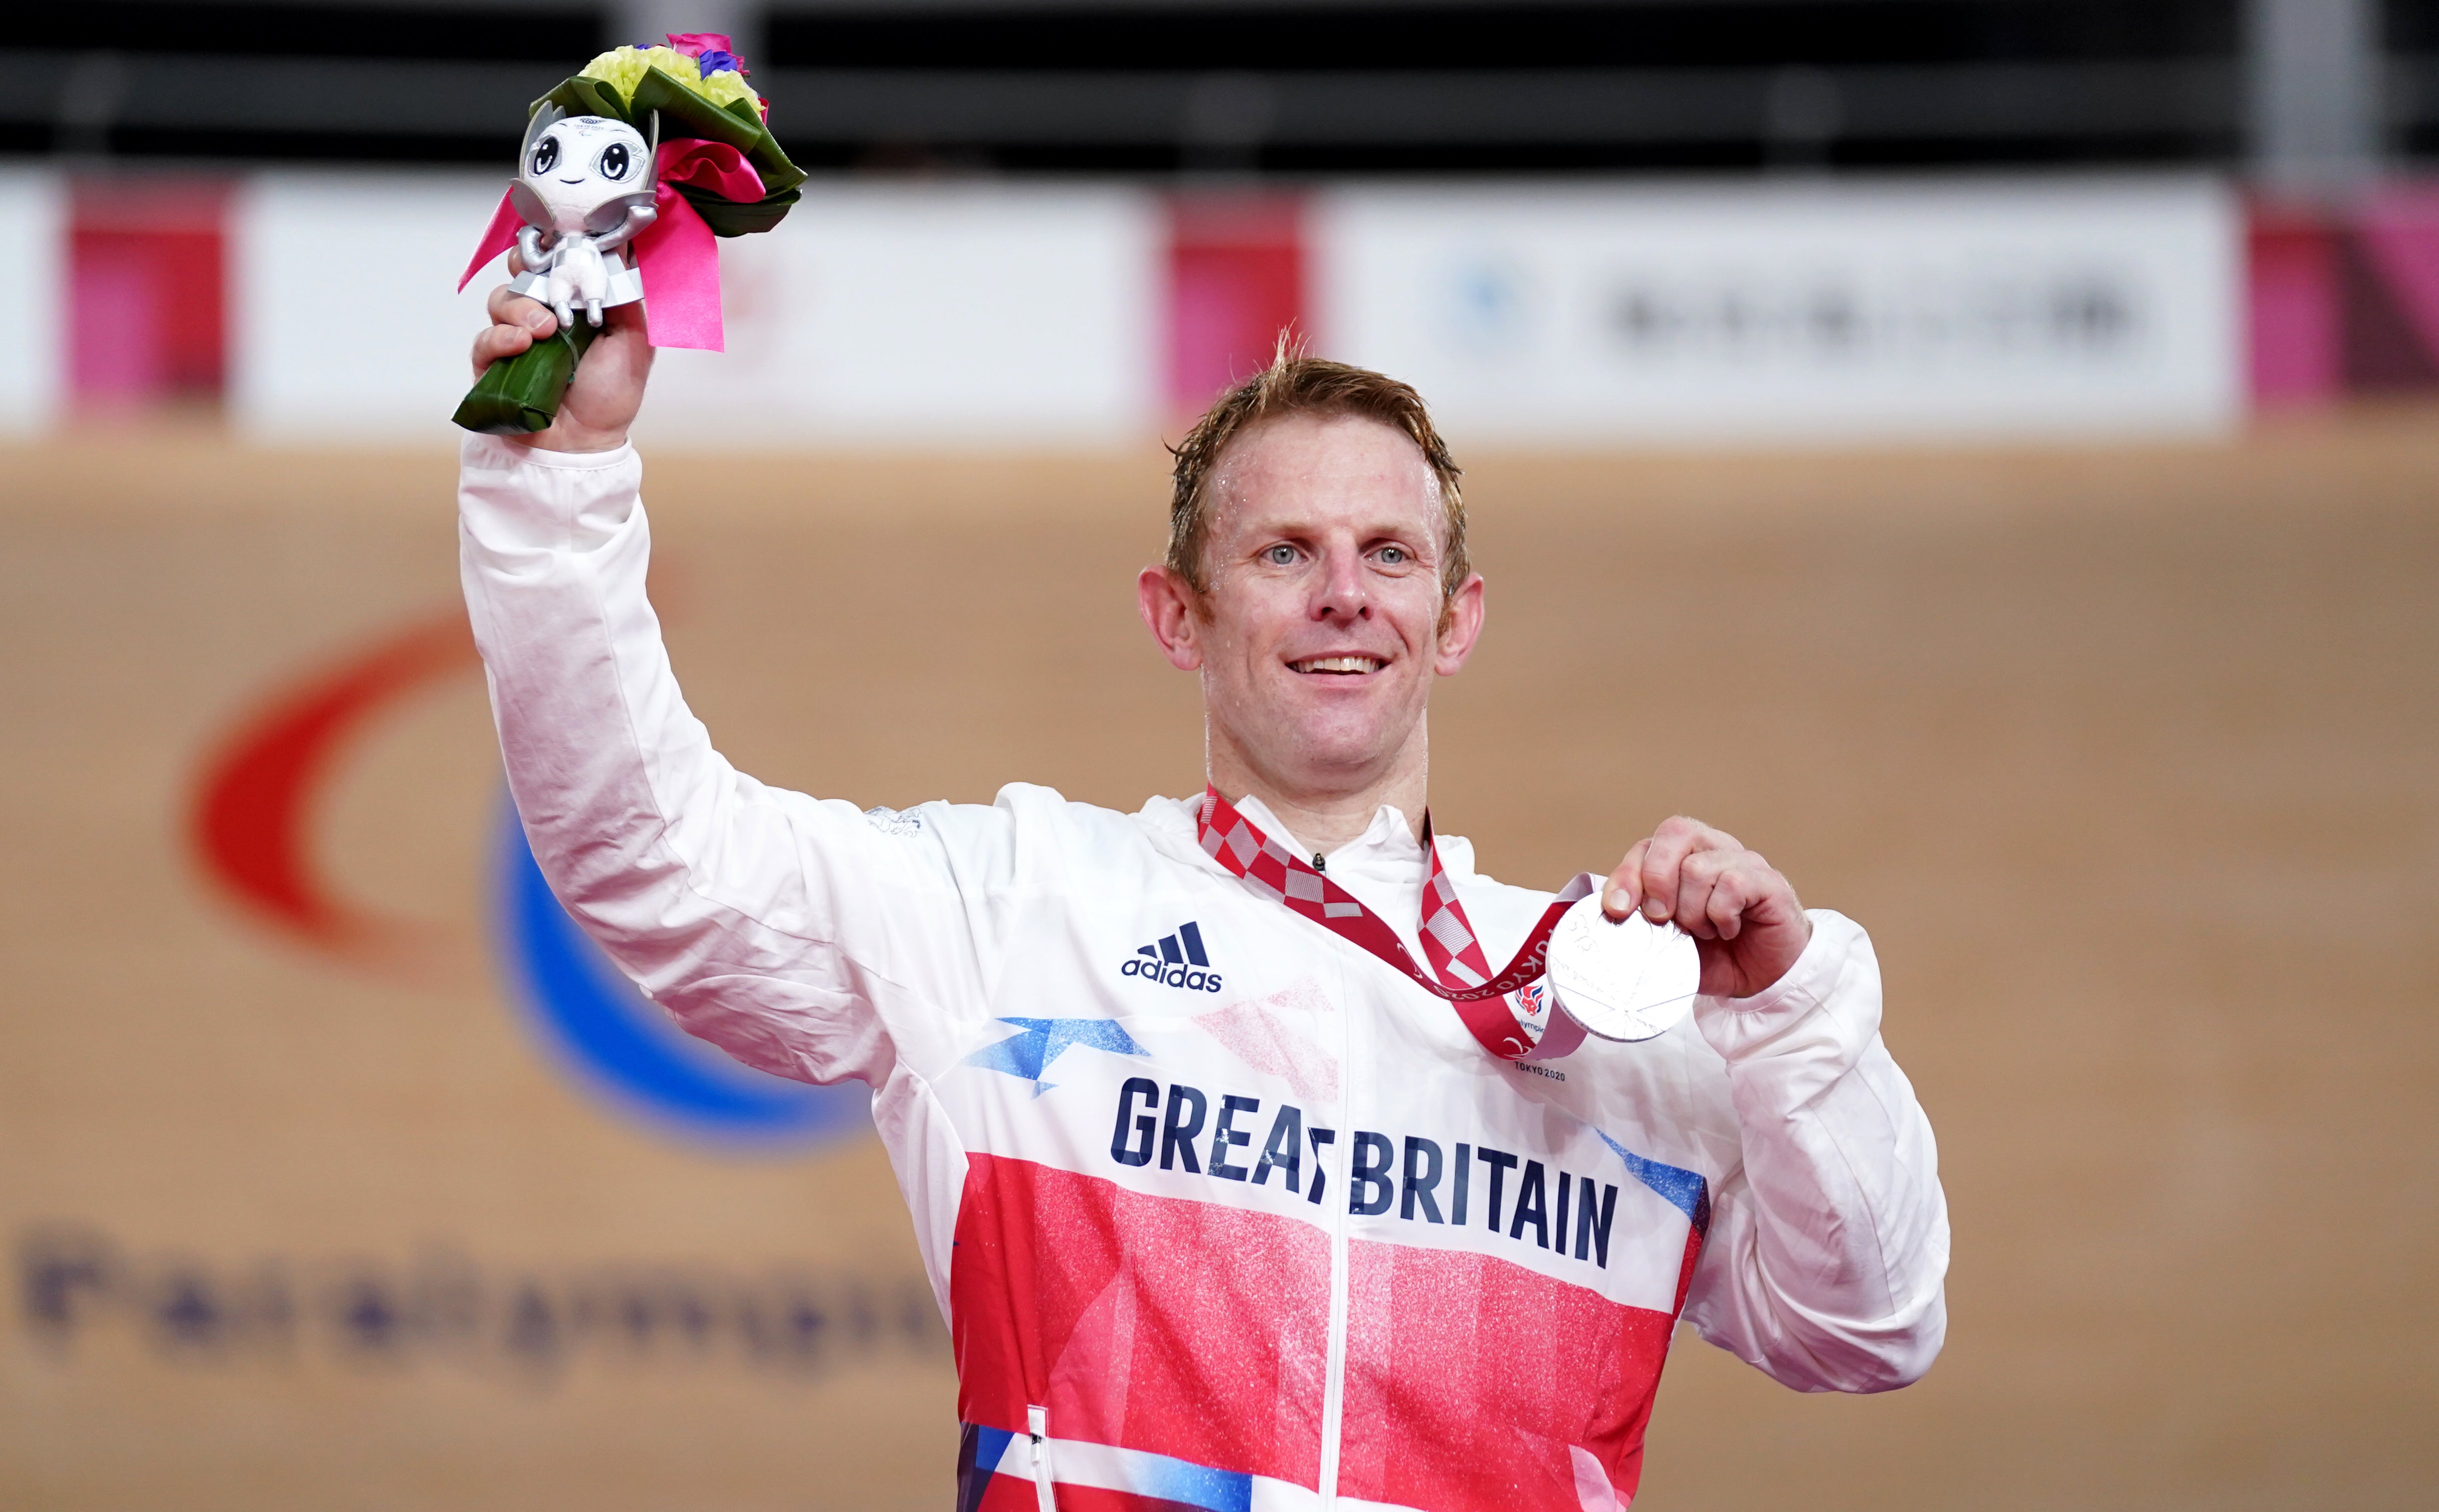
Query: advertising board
872, 315
33, 236
344, 323
940, 316
1802, 314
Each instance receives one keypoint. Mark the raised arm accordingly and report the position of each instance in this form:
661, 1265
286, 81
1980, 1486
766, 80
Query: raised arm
780, 928
1827, 1254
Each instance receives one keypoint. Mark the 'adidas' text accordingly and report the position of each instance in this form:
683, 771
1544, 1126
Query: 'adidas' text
1176, 961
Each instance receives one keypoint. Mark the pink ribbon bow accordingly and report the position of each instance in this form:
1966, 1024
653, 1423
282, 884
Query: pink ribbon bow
677, 255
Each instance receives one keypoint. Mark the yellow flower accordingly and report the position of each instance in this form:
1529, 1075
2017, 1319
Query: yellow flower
671, 60
622, 68
726, 87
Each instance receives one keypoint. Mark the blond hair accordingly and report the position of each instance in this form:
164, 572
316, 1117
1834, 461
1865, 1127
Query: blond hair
1297, 384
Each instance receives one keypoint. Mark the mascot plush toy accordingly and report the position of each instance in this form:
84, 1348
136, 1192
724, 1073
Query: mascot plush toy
589, 182
628, 172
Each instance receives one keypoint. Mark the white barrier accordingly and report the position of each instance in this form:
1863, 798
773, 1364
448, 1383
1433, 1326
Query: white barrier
33, 359
996, 315
343, 325
884, 315
1815, 312
941, 315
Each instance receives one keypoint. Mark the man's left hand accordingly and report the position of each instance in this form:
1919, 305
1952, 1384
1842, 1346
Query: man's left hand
1742, 913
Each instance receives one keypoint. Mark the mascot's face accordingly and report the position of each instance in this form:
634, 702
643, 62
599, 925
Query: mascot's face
578, 166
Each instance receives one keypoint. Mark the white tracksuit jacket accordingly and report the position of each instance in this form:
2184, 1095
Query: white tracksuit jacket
1223, 1211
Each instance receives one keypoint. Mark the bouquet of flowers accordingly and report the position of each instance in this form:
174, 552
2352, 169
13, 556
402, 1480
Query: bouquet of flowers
629, 172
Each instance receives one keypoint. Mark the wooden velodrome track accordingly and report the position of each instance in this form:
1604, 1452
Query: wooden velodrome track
2126, 757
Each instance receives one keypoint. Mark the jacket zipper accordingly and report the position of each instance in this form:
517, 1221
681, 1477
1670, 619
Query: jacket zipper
1037, 1427
1333, 1398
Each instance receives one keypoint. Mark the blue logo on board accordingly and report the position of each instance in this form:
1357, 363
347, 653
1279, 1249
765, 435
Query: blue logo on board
625, 1049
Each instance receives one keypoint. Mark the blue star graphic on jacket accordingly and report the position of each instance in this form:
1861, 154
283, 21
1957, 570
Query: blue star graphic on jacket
1043, 1040
1686, 1191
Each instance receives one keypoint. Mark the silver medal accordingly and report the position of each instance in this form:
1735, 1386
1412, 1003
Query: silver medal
1622, 979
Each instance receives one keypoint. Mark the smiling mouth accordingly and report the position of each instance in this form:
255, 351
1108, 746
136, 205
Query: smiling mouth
571, 181
1338, 665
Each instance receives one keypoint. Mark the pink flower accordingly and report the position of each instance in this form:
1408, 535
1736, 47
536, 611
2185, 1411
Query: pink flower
695, 43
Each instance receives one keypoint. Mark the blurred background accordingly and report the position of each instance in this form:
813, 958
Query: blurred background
1981, 451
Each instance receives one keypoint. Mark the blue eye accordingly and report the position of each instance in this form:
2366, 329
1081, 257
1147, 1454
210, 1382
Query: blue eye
1280, 556
613, 161
545, 158
1392, 556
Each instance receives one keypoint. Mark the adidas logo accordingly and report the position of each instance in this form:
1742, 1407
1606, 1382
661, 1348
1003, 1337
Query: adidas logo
1177, 961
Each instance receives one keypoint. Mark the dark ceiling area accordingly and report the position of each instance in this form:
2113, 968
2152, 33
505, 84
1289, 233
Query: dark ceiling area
1237, 90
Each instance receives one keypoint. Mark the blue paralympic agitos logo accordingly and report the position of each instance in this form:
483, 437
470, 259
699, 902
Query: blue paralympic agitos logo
627, 1048
251, 832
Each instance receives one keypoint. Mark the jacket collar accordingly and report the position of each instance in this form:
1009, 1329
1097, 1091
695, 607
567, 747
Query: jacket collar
1385, 858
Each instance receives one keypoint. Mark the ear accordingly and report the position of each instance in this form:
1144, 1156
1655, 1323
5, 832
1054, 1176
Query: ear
546, 115
1168, 602
1460, 628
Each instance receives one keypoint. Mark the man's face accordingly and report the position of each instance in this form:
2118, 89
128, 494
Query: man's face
1320, 629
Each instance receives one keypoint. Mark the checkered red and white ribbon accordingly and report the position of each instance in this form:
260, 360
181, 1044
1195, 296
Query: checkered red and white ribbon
1460, 974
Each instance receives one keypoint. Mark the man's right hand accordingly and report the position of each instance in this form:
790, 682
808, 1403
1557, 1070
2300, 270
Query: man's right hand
608, 388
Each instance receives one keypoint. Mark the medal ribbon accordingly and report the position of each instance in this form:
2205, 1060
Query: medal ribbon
1460, 974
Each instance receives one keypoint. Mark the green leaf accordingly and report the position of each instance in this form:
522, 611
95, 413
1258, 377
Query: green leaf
585, 97
729, 218
517, 396
686, 114
683, 112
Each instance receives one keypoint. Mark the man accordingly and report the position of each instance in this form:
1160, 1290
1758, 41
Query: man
1236, 1188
